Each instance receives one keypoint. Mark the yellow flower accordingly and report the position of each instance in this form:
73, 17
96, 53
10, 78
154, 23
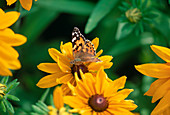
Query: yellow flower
58, 102
63, 71
99, 95
159, 89
26, 4
2, 90
8, 39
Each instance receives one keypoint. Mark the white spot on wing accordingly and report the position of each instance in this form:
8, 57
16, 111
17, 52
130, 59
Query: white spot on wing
73, 39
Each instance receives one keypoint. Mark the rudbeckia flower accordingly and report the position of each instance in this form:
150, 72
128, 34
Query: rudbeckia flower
159, 89
26, 4
62, 71
99, 95
59, 108
8, 39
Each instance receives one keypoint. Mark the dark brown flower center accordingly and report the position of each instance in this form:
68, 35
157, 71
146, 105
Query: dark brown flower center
76, 68
98, 103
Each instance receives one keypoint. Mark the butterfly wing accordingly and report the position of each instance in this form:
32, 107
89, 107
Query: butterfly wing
78, 41
89, 52
83, 49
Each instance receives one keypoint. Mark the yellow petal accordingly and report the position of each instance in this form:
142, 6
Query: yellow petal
82, 89
154, 70
66, 49
95, 41
163, 107
95, 66
49, 67
100, 78
99, 53
9, 37
55, 54
7, 52
4, 71
66, 89
162, 52
58, 98
115, 85
66, 78
106, 58
119, 111
90, 81
155, 85
121, 95
161, 91
14, 65
49, 80
9, 2
73, 102
86, 112
26, 4
72, 88
7, 19
63, 66
127, 104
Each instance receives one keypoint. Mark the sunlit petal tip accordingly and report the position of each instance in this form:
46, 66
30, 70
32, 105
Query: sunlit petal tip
99, 53
73, 110
162, 52
39, 66
95, 41
72, 88
123, 78
153, 47
131, 90
61, 46
81, 73
137, 67
9, 2
76, 77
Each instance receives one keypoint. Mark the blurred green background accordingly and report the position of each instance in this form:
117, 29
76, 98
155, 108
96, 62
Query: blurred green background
51, 21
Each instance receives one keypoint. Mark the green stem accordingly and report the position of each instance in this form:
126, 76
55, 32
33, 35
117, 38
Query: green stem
17, 24
18, 6
43, 97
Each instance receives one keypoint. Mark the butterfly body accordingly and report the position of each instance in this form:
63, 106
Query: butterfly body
83, 49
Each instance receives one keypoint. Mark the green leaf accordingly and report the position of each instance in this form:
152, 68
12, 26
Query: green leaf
126, 5
124, 29
36, 23
38, 110
73, 7
169, 1
12, 97
42, 106
129, 43
102, 8
8, 106
2, 106
12, 85
51, 100
32, 113
43, 97
4, 80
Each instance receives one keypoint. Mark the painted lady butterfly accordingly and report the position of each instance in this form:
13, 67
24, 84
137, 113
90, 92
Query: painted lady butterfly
83, 49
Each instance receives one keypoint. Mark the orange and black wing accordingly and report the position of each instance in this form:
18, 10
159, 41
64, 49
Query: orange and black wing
78, 40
